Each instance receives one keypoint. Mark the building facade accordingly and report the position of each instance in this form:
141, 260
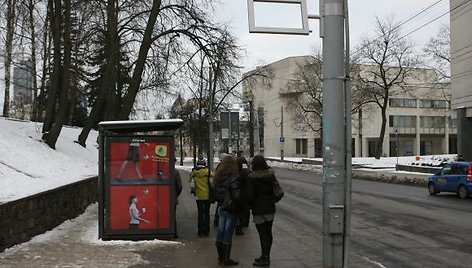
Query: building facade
418, 117
461, 72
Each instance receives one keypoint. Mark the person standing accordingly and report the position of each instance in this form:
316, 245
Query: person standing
228, 195
178, 191
200, 186
260, 195
243, 217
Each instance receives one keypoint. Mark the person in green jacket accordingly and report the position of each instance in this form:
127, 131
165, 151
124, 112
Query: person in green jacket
200, 185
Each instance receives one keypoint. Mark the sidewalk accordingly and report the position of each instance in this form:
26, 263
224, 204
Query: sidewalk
75, 244
293, 247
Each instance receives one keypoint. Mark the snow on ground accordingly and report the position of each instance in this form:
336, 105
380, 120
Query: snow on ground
371, 162
28, 166
83, 229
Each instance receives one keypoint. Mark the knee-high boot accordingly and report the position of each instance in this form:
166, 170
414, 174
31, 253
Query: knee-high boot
219, 249
227, 253
266, 243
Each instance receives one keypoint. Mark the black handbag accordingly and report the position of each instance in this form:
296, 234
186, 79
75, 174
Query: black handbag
278, 192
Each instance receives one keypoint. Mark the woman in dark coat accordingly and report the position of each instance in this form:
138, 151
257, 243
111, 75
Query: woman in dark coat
260, 195
228, 195
243, 217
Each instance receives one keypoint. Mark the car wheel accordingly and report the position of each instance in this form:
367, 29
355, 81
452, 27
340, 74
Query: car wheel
432, 189
462, 192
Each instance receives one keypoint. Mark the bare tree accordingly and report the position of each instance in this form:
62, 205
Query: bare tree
10, 17
304, 94
54, 120
166, 24
388, 61
438, 50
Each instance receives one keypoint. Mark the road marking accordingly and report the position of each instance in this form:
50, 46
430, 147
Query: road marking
374, 262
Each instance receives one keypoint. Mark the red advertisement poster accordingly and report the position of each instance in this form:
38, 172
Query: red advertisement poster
143, 207
139, 161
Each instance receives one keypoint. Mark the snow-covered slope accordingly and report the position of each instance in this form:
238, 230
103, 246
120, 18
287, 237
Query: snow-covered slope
28, 166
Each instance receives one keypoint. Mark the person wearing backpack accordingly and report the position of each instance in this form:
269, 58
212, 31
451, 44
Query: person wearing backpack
200, 186
260, 196
228, 196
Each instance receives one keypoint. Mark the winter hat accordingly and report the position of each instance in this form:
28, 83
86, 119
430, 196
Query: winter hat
201, 161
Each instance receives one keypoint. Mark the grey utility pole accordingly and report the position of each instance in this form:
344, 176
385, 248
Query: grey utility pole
336, 122
282, 141
336, 101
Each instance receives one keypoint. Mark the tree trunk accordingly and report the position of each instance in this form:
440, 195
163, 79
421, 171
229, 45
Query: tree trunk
64, 102
55, 16
378, 150
113, 60
33, 49
139, 67
107, 83
11, 4
38, 107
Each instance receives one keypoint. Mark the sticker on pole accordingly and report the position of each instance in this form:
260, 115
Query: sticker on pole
282, 139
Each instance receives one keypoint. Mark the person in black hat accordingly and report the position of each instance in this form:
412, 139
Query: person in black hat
200, 186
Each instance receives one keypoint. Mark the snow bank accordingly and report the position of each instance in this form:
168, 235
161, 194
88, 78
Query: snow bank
28, 166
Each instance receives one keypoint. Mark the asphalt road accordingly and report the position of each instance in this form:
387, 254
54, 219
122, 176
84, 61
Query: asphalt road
392, 225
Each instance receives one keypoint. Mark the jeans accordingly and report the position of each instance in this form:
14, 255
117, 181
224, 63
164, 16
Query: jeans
203, 217
226, 226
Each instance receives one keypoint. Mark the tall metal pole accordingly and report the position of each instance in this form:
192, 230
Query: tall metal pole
230, 140
210, 122
181, 148
251, 128
334, 137
282, 133
348, 131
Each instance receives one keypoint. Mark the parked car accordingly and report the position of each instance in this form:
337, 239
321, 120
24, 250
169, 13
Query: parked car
453, 177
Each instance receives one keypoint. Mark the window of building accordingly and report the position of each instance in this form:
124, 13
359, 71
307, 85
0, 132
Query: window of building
393, 148
318, 147
406, 103
402, 121
452, 123
438, 104
409, 147
426, 147
372, 147
301, 146
432, 122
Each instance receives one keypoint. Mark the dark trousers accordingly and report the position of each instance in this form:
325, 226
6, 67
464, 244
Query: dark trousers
203, 217
243, 218
265, 237
175, 222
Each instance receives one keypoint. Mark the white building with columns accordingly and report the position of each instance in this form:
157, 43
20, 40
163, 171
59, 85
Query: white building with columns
418, 117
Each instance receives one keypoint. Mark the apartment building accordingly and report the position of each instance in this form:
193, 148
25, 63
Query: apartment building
418, 117
461, 71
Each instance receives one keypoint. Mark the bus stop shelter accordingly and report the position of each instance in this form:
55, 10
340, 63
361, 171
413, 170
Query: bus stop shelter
136, 179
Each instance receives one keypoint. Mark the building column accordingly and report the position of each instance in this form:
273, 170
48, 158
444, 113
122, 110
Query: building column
464, 132
418, 136
446, 136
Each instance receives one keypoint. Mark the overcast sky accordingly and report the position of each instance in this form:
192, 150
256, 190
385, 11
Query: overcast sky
265, 48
